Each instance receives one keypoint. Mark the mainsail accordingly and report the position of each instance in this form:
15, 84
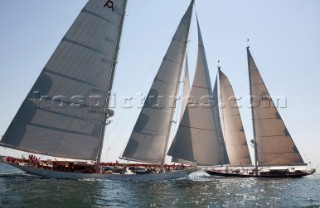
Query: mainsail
273, 143
197, 137
234, 135
64, 113
148, 141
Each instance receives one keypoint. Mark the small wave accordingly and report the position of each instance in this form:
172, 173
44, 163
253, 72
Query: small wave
92, 179
199, 176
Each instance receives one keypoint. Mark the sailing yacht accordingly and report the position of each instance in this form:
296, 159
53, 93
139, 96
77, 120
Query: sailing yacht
61, 117
197, 137
276, 154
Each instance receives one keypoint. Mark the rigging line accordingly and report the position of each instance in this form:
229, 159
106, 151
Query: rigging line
111, 130
182, 80
178, 87
152, 67
144, 78
234, 56
230, 60
147, 74
264, 77
178, 111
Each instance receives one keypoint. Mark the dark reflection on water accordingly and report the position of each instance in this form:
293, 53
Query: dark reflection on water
21, 190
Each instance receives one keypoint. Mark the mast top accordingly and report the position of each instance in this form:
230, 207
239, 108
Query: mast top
248, 44
219, 65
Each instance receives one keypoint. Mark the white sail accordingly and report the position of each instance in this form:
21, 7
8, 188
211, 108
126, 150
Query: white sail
150, 135
224, 158
186, 89
274, 145
185, 99
234, 135
197, 137
64, 113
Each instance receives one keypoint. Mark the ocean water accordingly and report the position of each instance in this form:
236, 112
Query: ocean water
18, 189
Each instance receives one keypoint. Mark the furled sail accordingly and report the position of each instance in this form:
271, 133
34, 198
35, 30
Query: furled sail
273, 141
224, 158
197, 138
64, 113
234, 135
148, 141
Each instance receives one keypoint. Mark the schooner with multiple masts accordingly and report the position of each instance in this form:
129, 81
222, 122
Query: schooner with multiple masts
81, 70
203, 139
276, 154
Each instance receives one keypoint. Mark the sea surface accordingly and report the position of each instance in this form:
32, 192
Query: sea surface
18, 189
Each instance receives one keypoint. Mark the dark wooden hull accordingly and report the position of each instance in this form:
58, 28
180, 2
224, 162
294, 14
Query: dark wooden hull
270, 174
218, 173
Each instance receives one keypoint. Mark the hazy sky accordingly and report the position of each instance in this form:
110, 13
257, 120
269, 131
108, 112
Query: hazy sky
284, 39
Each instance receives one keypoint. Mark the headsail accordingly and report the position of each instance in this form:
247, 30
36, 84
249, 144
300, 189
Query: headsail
186, 89
185, 99
224, 158
64, 113
234, 135
197, 137
274, 144
149, 138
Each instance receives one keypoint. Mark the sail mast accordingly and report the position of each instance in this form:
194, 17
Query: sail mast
197, 138
63, 113
223, 126
149, 136
273, 142
177, 89
224, 157
252, 114
109, 88
184, 103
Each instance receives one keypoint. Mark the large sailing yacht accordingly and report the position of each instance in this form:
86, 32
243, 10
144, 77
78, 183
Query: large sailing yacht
70, 127
276, 154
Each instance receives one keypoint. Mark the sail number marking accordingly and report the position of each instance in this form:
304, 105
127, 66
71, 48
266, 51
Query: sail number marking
109, 4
